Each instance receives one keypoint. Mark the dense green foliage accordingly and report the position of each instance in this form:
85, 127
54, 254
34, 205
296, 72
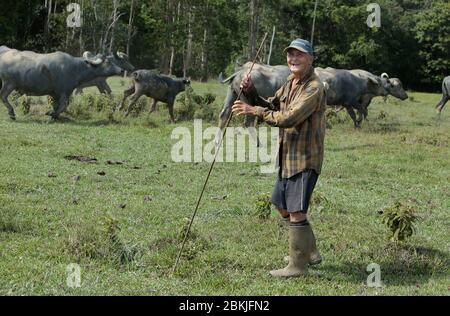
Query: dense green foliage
206, 37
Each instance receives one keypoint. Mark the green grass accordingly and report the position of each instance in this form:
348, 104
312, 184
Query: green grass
124, 228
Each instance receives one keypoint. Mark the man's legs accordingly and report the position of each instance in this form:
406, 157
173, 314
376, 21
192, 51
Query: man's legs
294, 194
300, 246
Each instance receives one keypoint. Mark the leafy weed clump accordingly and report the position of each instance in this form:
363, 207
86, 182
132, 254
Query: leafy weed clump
262, 206
399, 219
194, 106
87, 240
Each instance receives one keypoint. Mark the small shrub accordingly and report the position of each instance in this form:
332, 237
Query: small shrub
88, 240
335, 117
194, 106
140, 106
399, 219
262, 206
120, 251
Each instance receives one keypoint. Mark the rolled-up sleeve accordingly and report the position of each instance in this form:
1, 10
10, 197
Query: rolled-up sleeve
299, 109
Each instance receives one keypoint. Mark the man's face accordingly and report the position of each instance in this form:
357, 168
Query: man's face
298, 61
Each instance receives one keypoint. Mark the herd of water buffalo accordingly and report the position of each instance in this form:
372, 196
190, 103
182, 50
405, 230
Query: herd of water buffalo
59, 74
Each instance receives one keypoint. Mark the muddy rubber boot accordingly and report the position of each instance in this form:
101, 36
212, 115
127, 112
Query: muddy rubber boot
315, 257
299, 252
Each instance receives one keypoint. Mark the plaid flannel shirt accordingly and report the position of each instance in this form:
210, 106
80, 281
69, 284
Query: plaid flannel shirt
300, 115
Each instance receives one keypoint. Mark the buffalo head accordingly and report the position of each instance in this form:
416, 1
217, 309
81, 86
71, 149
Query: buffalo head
121, 60
104, 66
394, 86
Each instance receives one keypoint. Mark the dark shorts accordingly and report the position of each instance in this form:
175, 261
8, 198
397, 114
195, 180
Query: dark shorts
294, 194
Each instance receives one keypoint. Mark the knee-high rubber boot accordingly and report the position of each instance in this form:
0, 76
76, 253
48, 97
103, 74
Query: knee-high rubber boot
299, 252
315, 257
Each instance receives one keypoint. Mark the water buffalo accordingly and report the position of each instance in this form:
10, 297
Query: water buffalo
445, 94
158, 87
392, 86
355, 89
100, 82
56, 74
267, 80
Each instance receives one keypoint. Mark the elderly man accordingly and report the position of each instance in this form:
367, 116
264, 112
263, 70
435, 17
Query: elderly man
298, 108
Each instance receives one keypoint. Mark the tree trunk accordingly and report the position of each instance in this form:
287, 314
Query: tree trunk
113, 28
175, 18
204, 65
204, 55
130, 31
253, 33
48, 5
81, 48
190, 36
271, 46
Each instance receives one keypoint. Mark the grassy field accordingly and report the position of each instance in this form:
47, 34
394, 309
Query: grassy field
122, 216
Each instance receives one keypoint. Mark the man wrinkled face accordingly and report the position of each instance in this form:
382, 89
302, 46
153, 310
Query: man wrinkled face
298, 61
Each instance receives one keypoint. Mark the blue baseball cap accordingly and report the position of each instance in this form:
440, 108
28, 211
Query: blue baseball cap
301, 45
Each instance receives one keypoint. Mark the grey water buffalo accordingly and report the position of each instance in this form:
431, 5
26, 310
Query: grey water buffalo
266, 79
391, 86
158, 87
100, 82
445, 94
355, 89
56, 74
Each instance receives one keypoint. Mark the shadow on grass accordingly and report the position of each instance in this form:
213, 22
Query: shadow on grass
143, 120
403, 266
353, 147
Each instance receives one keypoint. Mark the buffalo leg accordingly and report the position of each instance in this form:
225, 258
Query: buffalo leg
442, 102
352, 115
223, 117
134, 98
126, 94
249, 123
153, 107
225, 113
170, 106
104, 88
61, 107
360, 116
4, 93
